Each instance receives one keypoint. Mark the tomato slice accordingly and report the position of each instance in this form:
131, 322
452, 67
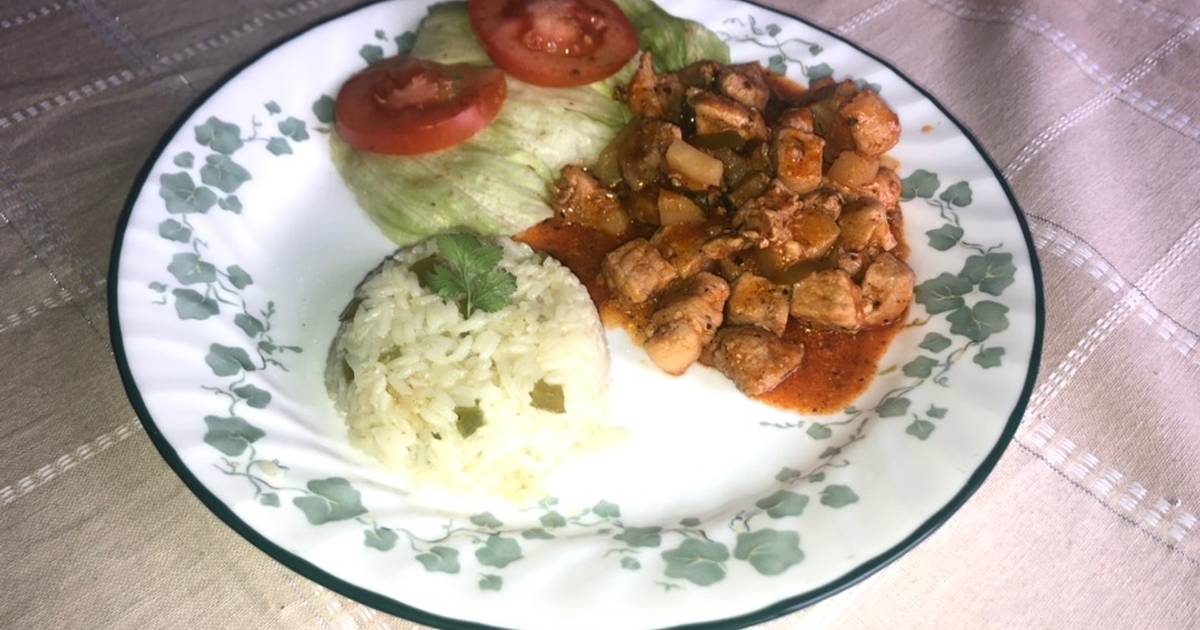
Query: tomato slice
554, 43
406, 106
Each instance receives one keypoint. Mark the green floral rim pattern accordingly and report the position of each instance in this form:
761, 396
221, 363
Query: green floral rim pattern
203, 289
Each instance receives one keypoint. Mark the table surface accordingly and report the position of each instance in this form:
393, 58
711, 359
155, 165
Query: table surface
1091, 106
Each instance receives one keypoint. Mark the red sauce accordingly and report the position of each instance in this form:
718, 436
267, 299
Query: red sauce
837, 366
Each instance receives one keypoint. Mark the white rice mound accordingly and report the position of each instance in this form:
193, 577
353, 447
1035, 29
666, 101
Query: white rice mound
414, 359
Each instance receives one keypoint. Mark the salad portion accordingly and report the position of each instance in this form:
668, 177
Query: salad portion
471, 129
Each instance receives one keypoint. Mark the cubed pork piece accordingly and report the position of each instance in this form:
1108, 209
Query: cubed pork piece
866, 224
885, 187
756, 301
798, 159
642, 152
887, 290
637, 271
828, 298
583, 201
686, 321
681, 245
754, 359
800, 118
716, 113
873, 126
745, 84
767, 218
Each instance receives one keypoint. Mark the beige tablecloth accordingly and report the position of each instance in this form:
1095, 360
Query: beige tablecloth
1089, 521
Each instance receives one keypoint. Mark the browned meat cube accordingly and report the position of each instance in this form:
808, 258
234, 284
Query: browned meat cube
864, 225
699, 74
689, 317
798, 159
583, 201
756, 301
642, 152
745, 84
801, 119
723, 246
767, 218
873, 126
681, 245
716, 113
887, 290
642, 94
825, 201
637, 271
754, 359
850, 262
814, 233
886, 188
828, 298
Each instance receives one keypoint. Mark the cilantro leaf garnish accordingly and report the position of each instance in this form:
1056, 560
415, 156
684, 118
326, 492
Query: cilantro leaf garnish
466, 271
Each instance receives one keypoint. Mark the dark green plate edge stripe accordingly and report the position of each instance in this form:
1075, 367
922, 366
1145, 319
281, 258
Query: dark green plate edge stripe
400, 609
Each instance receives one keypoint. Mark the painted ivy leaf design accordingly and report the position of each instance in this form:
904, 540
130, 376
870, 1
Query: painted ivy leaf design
279, 146
783, 503
249, 324
921, 183
191, 305
818, 71
837, 496
920, 367
255, 397
486, 521
380, 34
183, 196
332, 499
220, 136
222, 172
551, 520
773, 29
294, 128
440, 559
943, 293
893, 407
157, 287
989, 357
944, 237
630, 564
380, 538
920, 429
936, 412
690, 521
322, 108
272, 107
992, 272
958, 193
498, 551
777, 64
547, 502
227, 361
173, 230
769, 551
536, 534
269, 499
606, 509
238, 277
189, 269
230, 435
231, 204
787, 475
405, 41
817, 477
935, 342
371, 53
979, 322
641, 536
818, 431
488, 582
184, 160
697, 561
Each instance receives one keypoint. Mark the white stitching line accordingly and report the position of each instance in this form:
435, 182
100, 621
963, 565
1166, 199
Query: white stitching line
66, 462
866, 16
61, 298
34, 14
1116, 315
1064, 455
1163, 114
124, 76
1094, 104
1049, 239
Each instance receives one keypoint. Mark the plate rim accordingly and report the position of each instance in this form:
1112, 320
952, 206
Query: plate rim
398, 608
